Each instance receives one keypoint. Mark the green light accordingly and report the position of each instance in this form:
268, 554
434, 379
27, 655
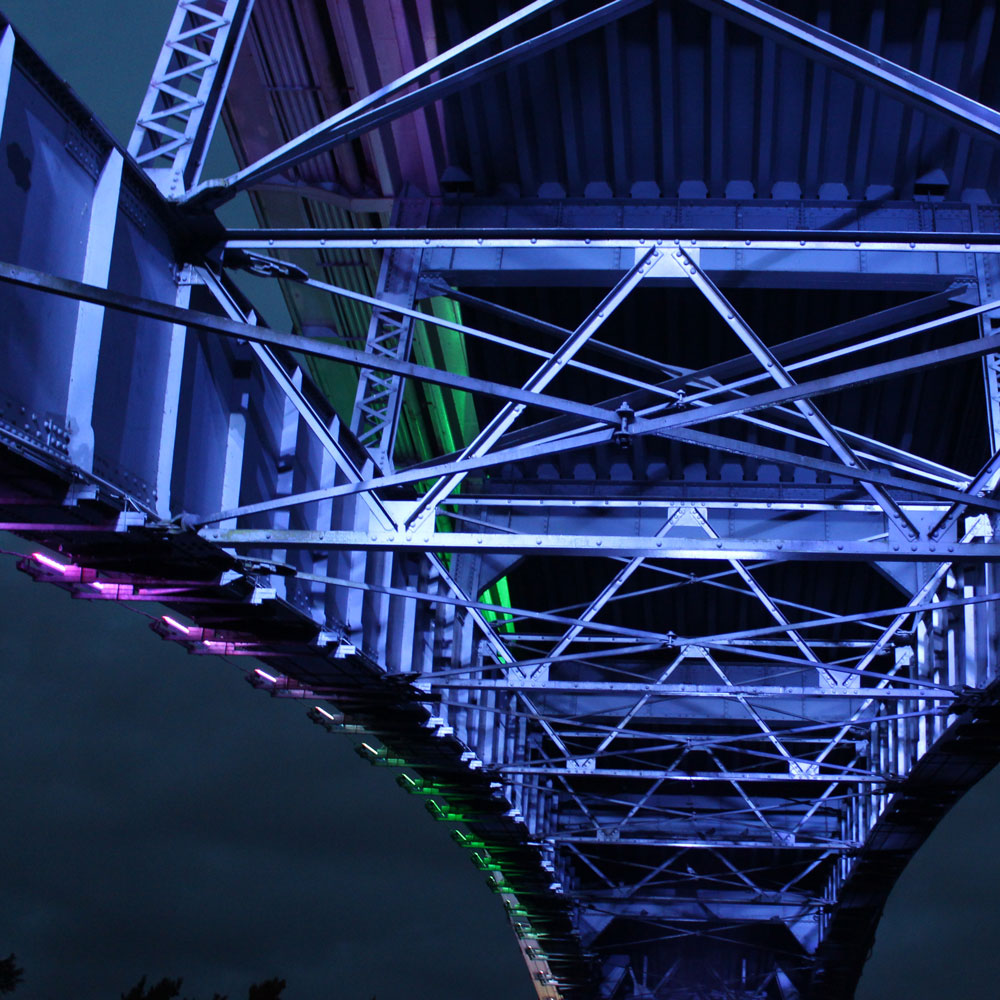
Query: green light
417, 786
437, 420
484, 863
443, 815
467, 840
498, 593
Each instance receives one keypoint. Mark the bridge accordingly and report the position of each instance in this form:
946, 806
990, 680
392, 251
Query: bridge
627, 478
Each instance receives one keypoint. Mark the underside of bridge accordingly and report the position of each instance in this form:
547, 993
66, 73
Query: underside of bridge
627, 478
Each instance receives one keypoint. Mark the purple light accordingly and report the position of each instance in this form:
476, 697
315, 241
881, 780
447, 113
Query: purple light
176, 624
260, 673
51, 563
103, 586
322, 711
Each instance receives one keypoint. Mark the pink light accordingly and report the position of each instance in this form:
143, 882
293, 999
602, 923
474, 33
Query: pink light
176, 624
260, 673
51, 563
103, 586
323, 711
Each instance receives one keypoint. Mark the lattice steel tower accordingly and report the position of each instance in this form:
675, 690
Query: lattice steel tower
629, 472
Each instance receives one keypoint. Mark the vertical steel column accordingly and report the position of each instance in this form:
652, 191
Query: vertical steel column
172, 402
988, 274
379, 399
6, 66
90, 317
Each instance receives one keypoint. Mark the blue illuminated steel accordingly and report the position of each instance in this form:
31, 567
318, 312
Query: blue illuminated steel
749, 654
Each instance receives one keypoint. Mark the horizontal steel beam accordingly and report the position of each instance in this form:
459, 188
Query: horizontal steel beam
736, 691
708, 844
792, 240
422, 540
659, 774
632, 505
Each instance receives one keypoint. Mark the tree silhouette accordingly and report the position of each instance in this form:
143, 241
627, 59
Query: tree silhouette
169, 989
269, 989
10, 974
165, 989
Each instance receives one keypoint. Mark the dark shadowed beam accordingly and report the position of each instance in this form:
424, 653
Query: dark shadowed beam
832, 336
363, 116
830, 383
860, 64
551, 330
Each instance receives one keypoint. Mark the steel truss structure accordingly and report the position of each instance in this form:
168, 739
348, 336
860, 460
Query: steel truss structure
656, 545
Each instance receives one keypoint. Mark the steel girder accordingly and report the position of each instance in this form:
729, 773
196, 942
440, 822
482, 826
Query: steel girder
741, 671
184, 100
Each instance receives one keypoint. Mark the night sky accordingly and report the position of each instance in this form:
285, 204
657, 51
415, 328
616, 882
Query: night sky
159, 816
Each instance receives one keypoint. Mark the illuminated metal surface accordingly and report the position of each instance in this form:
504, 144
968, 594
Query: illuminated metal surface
658, 552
